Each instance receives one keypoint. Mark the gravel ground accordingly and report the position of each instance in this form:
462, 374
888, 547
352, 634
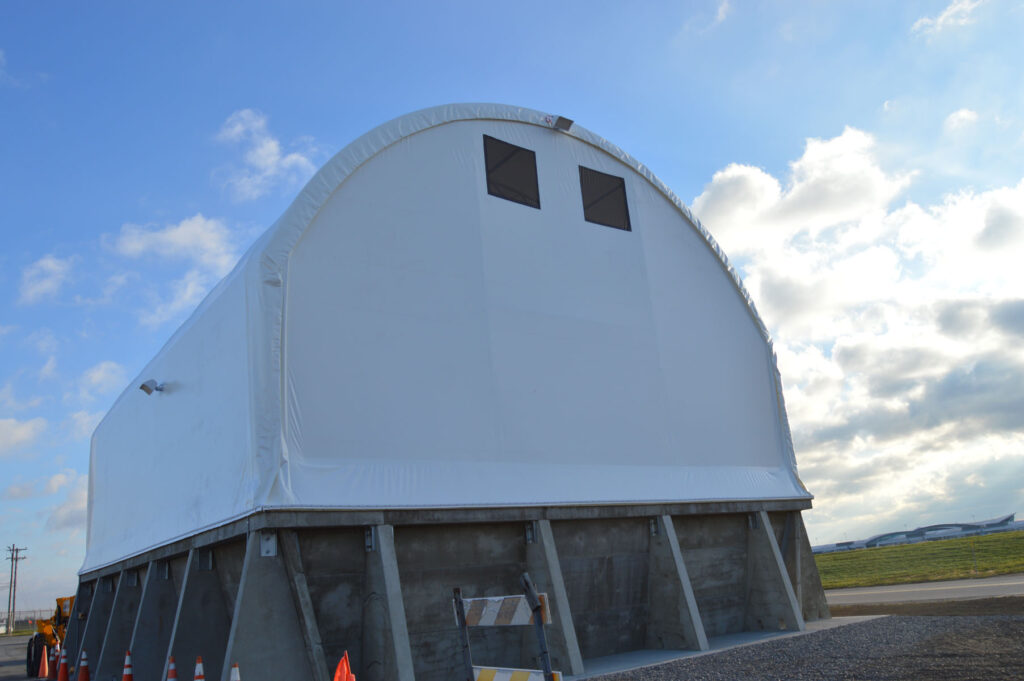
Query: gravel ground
886, 649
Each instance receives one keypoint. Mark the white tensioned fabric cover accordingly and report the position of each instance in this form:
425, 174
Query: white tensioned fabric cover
400, 338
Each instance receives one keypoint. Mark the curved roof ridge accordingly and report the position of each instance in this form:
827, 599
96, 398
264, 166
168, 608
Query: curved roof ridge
289, 227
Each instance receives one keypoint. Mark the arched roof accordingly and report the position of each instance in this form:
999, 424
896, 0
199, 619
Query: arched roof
271, 254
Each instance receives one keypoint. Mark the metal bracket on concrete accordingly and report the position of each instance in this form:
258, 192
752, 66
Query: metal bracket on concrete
370, 540
203, 559
652, 524
268, 543
531, 531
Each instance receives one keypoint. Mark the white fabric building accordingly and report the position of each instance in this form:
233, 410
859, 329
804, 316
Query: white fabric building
466, 307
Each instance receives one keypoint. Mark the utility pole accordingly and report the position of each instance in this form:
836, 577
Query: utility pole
12, 591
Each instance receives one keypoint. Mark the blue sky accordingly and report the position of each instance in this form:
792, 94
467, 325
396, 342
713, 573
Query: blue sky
860, 162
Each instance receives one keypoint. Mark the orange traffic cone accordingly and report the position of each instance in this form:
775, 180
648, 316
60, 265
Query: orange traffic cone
235, 674
200, 676
44, 665
344, 670
127, 675
62, 671
51, 672
172, 670
83, 668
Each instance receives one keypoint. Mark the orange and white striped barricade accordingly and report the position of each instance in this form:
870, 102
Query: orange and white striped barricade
531, 608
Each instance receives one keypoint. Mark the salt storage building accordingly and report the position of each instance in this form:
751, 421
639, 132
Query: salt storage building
481, 341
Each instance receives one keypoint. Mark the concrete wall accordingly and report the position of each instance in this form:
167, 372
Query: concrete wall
605, 564
482, 560
715, 550
334, 562
291, 601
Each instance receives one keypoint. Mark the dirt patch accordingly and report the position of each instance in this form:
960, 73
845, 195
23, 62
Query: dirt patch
1004, 605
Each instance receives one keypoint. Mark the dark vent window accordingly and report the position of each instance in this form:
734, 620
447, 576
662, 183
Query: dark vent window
604, 199
511, 172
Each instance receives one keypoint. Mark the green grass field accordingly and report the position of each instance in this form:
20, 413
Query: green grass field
984, 556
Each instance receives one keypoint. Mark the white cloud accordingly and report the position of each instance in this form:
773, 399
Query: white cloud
957, 13
5, 78
958, 120
185, 294
9, 401
114, 283
59, 481
265, 164
4, 330
898, 329
19, 490
48, 370
44, 278
71, 514
102, 378
47, 486
724, 8
836, 181
43, 341
83, 423
205, 242
16, 434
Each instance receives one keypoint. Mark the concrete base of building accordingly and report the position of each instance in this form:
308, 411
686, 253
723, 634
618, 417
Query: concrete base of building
286, 593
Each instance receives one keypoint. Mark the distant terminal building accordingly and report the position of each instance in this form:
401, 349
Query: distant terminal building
481, 341
927, 533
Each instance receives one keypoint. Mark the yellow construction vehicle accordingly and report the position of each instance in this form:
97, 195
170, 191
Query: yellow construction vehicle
49, 633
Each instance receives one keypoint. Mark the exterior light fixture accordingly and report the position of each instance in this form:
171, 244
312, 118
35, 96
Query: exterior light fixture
149, 386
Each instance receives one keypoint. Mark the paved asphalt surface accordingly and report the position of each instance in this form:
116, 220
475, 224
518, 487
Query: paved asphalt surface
12, 656
1004, 585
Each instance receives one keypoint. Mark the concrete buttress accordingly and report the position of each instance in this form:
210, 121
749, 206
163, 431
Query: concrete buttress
771, 601
99, 614
110, 660
674, 621
266, 638
546, 571
155, 619
387, 651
